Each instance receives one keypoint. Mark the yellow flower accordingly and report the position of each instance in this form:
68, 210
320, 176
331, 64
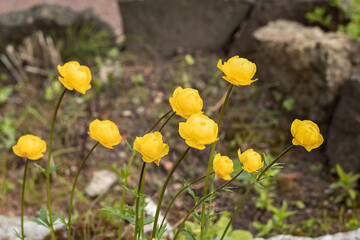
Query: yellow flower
105, 132
307, 134
151, 147
238, 71
75, 76
30, 146
250, 160
186, 102
199, 130
223, 166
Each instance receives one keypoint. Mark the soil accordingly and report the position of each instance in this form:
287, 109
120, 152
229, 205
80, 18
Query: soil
134, 98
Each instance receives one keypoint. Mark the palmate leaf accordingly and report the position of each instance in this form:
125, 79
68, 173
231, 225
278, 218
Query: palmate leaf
38, 222
189, 235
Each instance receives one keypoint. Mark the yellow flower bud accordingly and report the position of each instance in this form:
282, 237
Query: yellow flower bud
186, 102
250, 160
223, 166
105, 132
151, 147
75, 76
238, 71
199, 130
307, 134
30, 146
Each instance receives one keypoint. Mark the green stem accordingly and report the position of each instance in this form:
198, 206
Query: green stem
178, 194
48, 165
142, 210
167, 120
258, 178
201, 201
22, 200
164, 188
158, 121
122, 207
210, 164
142, 174
73, 188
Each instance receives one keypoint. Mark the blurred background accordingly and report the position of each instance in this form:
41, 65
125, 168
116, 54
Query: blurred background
307, 54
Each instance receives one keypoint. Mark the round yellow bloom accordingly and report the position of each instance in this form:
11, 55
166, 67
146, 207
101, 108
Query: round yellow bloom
223, 166
199, 130
186, 102
250, 160
238, 71
75, 76
307, 134
30, 146
105, 132
151, 147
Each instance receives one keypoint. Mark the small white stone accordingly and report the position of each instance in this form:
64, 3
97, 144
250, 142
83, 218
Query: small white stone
100, 183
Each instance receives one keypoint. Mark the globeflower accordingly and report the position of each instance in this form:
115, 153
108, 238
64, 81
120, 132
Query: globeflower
75, 76
198, 131
223, 166
307, 134
105, 132
151, 147
186, 102
238, 71
30, 146
250, 160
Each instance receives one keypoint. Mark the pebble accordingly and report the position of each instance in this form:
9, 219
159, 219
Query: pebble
100, 183
33, 231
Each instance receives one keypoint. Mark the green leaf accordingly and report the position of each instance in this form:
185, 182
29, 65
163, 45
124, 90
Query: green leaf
54, 168
18, 234
44, 216
43, 170
189, 235
37, 221
148, 220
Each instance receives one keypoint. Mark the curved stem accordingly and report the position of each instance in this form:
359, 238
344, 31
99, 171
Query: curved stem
73, 188
158, 121
167, 120
201, 201
163, 190
141, 179
22, 200
48, 165
258, 178
122, 207
210, 164
178, 194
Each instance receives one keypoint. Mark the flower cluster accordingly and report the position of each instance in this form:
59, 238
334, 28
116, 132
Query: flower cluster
198, 130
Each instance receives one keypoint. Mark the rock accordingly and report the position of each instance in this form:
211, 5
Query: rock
352, 235
309, 65
23, 17
264, 11
344, 132
167, 27
100, 183
32, 230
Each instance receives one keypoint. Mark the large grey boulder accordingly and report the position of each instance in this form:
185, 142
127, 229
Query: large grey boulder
343, 143
16, 22
309, 65
173, 26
